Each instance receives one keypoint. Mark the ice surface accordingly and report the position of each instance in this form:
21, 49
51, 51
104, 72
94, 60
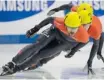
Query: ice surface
58, 68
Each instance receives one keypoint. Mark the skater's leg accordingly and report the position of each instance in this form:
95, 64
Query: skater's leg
45, 60
33, 50
44, 53
92, 55
29, 49
41, 42
41, 62
99, 53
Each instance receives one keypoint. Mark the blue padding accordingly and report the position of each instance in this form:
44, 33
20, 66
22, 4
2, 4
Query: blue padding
18, 39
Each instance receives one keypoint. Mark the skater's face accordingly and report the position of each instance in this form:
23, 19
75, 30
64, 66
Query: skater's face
87, 26
72, 31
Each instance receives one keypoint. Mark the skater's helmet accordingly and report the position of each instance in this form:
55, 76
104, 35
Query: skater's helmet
72, 20
85, 6
86, 17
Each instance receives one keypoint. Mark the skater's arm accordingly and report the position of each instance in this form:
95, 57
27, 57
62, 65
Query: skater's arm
40, 25
63, 7
75, 49
45, 22
80, 45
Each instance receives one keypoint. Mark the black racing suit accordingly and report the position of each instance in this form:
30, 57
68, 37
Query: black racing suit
43, 47
44, 38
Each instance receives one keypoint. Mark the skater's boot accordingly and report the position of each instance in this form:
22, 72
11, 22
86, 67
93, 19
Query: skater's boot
99, 56
9, 69
89, 67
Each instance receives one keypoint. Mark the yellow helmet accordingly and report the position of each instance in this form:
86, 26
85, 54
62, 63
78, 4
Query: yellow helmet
85, 6
86, 17
72, 20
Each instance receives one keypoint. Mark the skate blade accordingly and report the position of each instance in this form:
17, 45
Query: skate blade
5, 73
91, 72
85, 68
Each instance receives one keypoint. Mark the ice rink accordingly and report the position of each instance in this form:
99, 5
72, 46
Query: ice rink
58, 68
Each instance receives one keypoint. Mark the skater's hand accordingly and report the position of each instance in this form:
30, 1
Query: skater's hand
68, 56
32, 31
51, 12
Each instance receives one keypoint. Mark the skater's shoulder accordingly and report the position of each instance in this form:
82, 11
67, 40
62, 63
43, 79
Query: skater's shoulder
96, 21
81, 35
95, 29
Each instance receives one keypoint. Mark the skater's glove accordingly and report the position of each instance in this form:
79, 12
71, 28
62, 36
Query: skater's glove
70, 53
32, 31
68, 56
51, 12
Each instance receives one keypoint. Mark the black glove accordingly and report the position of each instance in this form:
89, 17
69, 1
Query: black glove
30, 32
70, 54
51, 12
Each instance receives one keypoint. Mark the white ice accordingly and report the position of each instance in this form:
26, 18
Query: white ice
58, 68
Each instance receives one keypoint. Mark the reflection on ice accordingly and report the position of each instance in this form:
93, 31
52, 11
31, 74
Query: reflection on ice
32, 74
78, 73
